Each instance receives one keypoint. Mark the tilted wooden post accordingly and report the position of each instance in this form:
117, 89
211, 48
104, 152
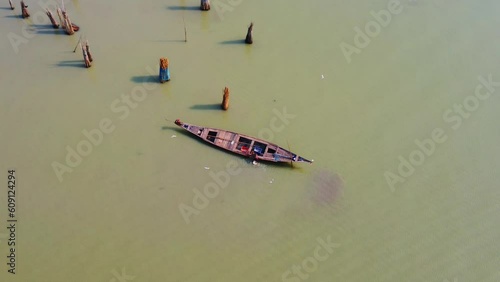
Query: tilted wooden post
69, 26
11, 5
61, 18
249, 38
52, 20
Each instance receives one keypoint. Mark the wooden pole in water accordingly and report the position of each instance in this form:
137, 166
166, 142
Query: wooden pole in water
79, 39
87, 48
185, 29
225, 99
69, 26
11, 5
61, 19
249, 38
24, 10
52, 20
88, 64
205, 5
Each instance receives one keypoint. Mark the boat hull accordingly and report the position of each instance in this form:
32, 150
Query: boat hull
242, 144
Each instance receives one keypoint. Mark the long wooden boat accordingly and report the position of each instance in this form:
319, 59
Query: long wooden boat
241, 144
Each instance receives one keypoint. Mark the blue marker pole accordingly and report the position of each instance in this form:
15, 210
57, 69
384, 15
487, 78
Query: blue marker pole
164, 72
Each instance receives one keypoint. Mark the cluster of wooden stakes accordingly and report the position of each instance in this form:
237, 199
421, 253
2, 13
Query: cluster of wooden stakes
70, 28
87, 56
64, 23
165, 75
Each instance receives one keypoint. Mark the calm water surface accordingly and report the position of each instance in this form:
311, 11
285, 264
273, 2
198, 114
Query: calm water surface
116, 214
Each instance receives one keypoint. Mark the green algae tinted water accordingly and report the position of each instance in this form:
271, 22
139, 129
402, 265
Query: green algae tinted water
400, 117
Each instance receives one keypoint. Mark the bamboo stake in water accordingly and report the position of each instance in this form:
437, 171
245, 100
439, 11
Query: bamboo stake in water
74, 50
87, 48
52, 20
86, 57
185, 30
11, 5
61, 18
69, 25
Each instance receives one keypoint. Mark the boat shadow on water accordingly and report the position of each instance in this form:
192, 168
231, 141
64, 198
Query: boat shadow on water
237, 157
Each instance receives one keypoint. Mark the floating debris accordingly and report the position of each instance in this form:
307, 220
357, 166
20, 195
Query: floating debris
207, 168
271, 181
322, 77
173, 136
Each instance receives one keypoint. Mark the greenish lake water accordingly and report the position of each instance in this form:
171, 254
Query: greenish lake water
403, 132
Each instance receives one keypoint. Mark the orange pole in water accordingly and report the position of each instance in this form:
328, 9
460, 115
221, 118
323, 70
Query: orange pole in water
225, 99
